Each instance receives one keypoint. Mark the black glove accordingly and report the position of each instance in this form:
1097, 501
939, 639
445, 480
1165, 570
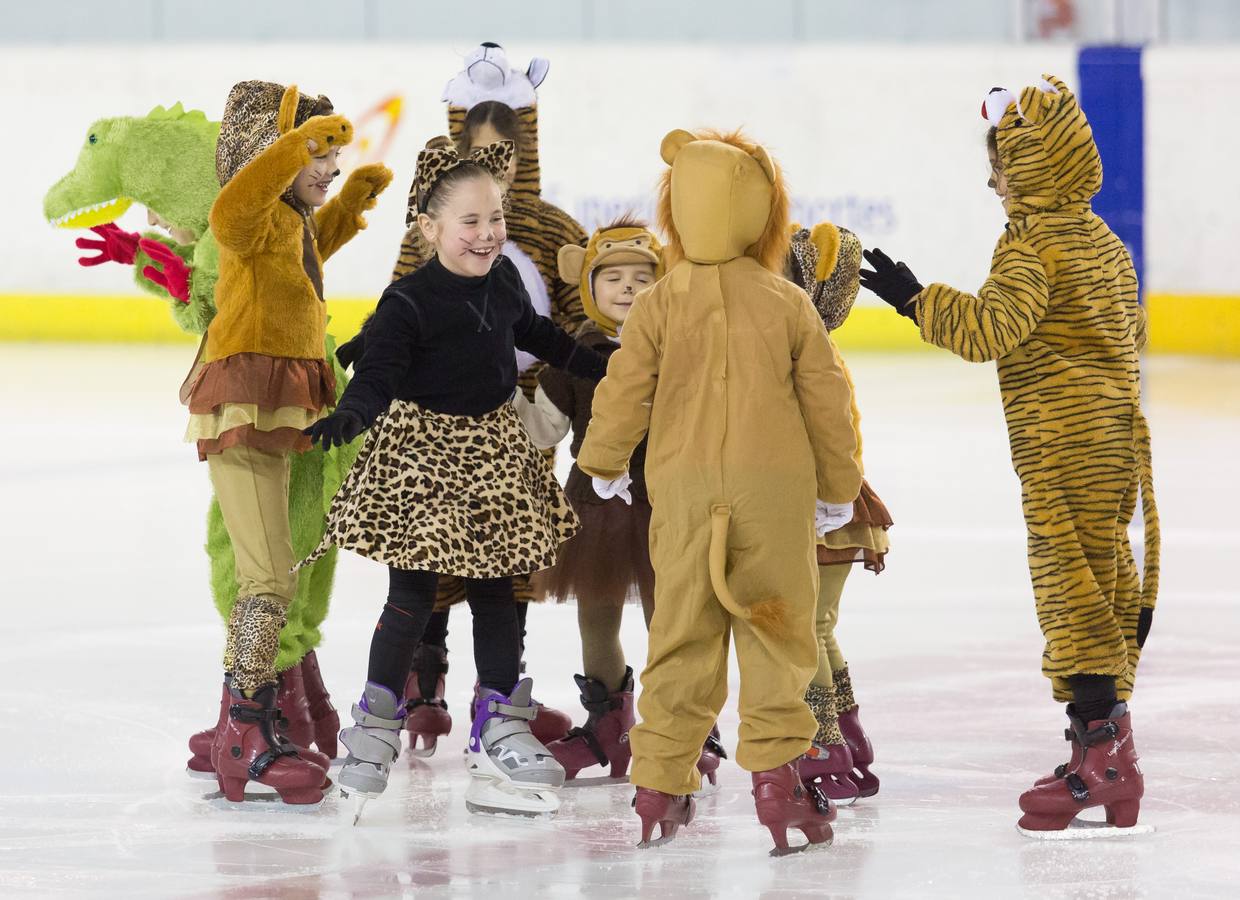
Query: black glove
892, 281
336, 430
350, 351
1144, 621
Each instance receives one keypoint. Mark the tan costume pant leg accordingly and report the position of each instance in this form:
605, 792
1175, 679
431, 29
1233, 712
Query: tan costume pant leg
252, 488
774, 556
830, 588
685, 681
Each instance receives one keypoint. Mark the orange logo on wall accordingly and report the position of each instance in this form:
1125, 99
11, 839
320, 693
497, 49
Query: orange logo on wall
374, 130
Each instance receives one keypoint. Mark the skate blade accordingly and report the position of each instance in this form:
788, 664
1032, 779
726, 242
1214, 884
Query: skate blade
1085, 830
429, 744
255, 803
655, 842
706, 790
802, 848
597, 781
199, 776
508, 812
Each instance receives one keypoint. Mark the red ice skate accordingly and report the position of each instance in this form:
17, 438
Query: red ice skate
1107, 775
829, 766
295, 724
862, 752
200, 743
1069, 735
326, 719
604, 738
428, 717
784, 801
199, 765
667, 811
248, 748
708, 761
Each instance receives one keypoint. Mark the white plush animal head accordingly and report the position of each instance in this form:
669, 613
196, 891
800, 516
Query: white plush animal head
487, 75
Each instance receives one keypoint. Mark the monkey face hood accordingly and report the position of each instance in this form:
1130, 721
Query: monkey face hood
721, 196
1046, 147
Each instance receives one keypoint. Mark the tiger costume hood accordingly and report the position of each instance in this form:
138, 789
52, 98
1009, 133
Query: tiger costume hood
1046, 147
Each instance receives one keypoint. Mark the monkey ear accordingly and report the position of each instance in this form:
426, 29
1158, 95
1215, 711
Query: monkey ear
765, 161
288, 110
571, 260
673, 142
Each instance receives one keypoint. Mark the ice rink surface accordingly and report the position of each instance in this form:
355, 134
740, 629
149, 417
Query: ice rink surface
110, 658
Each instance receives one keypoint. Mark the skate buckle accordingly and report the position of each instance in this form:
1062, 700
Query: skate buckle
715, 746
591, 741
821, 801
1080, 793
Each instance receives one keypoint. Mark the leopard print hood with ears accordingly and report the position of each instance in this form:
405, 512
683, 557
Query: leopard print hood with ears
251, 123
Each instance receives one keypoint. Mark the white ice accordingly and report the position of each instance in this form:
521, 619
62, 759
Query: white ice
110, 654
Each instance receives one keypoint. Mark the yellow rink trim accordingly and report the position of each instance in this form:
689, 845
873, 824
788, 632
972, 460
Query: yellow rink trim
1179, 323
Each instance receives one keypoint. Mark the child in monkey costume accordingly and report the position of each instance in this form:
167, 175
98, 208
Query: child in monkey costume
1060, 315
728, 369
263, 379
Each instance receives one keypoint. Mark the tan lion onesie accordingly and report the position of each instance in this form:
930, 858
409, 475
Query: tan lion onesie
728, 368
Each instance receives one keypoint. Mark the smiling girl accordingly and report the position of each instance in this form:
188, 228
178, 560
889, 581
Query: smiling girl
448, 482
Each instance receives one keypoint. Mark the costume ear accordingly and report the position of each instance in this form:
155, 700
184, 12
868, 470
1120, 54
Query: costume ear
765, 161
571, 260
673, 142
536, 72
287, 117
1052, 85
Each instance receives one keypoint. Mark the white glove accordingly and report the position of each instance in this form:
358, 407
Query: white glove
617, 487
831, 516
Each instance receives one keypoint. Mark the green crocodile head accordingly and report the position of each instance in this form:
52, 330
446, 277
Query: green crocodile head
164, 160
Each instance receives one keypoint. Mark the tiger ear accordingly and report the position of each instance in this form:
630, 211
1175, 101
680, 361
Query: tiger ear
571, 260
1052, 85
287, 117
765, 161
673, 142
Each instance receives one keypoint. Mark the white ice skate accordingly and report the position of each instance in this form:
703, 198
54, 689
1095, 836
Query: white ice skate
373, 744
513, 773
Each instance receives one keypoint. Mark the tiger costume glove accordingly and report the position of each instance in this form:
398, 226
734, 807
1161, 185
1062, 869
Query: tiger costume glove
893, 282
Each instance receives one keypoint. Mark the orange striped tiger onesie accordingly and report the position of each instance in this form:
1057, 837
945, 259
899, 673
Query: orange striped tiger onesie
1060, 315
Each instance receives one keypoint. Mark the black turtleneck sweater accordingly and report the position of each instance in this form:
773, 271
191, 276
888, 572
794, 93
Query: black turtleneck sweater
446, 342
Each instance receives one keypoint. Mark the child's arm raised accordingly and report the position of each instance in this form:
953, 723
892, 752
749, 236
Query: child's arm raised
341, 218
824, 392
243, 214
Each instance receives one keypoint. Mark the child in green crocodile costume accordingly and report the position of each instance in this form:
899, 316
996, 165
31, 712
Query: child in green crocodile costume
166, 162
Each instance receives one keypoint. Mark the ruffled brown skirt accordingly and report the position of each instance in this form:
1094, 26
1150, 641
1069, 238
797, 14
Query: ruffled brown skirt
862, 540
608, 561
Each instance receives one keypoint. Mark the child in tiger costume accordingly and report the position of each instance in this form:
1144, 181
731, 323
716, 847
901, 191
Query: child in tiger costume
490, 101
1060, 315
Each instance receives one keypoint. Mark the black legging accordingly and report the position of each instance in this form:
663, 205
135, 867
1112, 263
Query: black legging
403, 622
436, 633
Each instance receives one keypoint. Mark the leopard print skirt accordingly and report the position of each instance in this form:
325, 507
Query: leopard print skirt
457, 495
